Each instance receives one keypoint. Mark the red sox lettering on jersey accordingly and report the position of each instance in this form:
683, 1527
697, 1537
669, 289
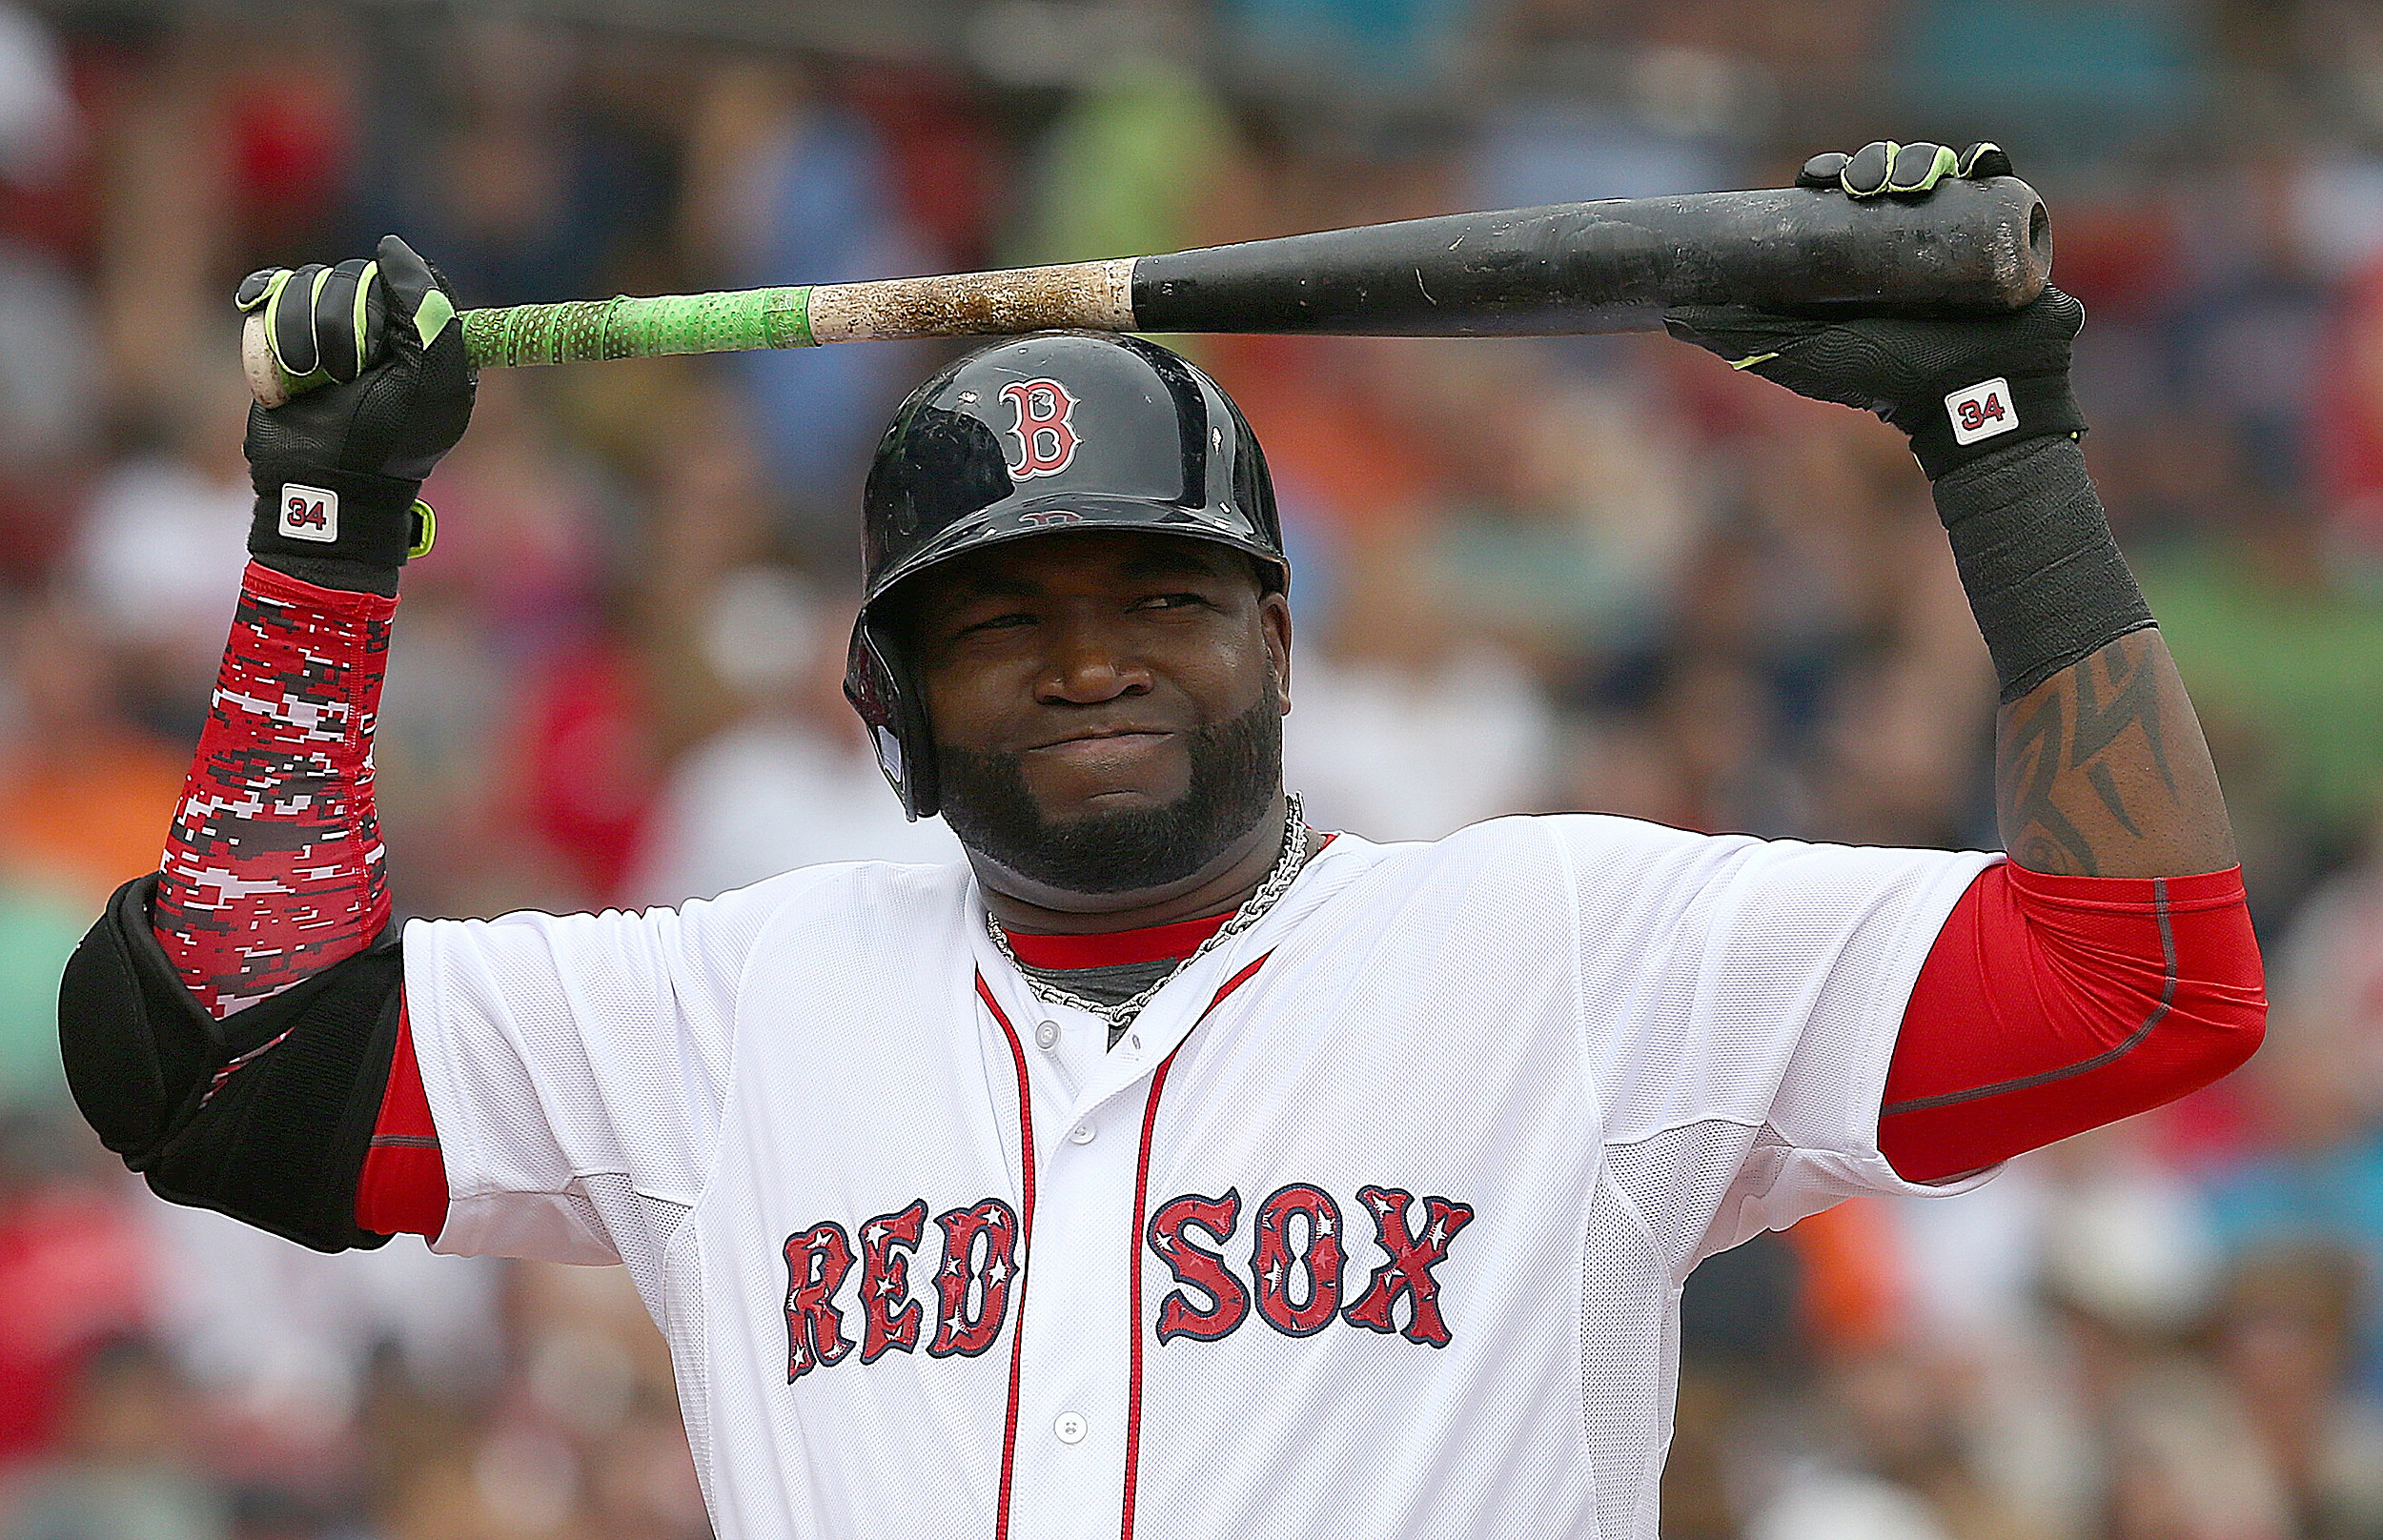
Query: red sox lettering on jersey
1297, 1263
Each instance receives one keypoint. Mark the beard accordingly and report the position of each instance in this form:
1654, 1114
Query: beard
1237, 769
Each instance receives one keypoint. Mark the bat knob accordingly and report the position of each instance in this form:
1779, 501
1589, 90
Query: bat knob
265, 380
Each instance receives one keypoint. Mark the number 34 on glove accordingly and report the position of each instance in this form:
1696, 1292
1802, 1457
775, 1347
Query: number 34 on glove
1959, 386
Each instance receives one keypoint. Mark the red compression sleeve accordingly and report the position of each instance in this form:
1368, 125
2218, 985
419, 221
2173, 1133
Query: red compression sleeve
404, 1188
274, 869
2051, 1005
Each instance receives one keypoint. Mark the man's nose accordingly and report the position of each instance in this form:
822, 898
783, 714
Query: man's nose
1090, 663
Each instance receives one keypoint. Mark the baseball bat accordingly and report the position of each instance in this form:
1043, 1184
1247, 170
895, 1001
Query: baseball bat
1564, 270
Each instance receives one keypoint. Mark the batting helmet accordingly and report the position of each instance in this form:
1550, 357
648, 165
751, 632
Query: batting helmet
1035, 436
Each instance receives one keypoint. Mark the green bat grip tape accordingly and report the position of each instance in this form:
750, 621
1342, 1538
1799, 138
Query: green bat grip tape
587, 329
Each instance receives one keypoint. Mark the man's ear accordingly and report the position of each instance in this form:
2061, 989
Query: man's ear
1275, 618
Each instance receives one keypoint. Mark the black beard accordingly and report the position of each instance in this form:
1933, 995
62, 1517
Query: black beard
1237, 769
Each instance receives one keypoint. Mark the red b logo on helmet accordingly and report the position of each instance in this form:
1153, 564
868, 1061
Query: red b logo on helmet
1044, 429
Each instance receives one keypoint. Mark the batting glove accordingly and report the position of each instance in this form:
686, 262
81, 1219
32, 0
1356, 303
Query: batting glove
377, 357
1900, 169
1961, 386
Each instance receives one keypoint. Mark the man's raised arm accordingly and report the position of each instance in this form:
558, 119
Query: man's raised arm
2109, 966
228, 1026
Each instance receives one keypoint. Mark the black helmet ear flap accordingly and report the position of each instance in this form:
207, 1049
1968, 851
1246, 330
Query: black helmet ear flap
895, 715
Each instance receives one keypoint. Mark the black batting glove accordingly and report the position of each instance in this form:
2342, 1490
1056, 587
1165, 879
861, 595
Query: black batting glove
1961, 386
378, 357
1905, 170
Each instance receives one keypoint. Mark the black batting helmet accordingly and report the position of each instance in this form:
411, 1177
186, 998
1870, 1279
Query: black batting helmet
1037, 435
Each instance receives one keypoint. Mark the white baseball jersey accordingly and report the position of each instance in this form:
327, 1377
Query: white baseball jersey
1374, 1224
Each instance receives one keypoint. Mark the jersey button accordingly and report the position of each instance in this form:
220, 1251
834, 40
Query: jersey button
1047, 1035
1070, 1427
1083, 1134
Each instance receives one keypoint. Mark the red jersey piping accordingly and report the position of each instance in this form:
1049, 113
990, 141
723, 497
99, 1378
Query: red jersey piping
1017, 1324
1133, 1273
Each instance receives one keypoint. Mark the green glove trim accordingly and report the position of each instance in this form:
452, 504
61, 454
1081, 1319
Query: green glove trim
362, 318
336, 333
436, 311
278, 280
1984, 159
1940, 165
1870, 169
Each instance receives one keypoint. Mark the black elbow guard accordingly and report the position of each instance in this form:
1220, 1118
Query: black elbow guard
265, 1115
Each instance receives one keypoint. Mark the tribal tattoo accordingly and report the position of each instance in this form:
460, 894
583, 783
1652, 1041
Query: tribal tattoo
2078, 794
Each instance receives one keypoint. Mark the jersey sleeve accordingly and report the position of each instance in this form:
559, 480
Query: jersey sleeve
1742, 1000
575, 1068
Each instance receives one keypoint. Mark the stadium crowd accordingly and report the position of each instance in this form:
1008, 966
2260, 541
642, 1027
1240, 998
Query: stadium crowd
1532, 575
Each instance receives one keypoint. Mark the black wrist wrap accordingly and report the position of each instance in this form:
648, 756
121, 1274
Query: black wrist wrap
265, 1115
376, 517
2043, 406
2045, 579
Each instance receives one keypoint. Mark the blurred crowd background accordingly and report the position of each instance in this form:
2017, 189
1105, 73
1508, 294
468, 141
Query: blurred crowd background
1588, 574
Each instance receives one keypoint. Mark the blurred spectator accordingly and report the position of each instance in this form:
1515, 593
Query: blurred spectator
123, 1468
513, 172
38, 930
1407, 723
48, 399
74, 1267
2286, 1341
49, 389
38, 121
281, 1343
788, 185
158, 553
794, 782
2317, 1179
84, 795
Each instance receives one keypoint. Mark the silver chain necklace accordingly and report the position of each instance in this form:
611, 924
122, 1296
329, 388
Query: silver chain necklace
1287, 867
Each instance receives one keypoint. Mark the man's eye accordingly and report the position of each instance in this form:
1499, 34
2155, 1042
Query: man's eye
1172, 601
999, 622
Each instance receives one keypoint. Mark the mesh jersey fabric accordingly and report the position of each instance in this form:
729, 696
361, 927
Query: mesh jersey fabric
1303, 1251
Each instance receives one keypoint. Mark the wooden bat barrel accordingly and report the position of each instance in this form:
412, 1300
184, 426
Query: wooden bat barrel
1614, 266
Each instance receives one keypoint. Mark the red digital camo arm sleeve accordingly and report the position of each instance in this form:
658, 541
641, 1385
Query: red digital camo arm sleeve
2049, 1005
273, 868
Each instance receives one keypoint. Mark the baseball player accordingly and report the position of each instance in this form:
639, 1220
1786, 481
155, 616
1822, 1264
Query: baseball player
1170, 1168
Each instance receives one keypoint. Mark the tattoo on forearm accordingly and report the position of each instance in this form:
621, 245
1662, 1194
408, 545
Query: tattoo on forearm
2105, 786
2067, 729
2038, 835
